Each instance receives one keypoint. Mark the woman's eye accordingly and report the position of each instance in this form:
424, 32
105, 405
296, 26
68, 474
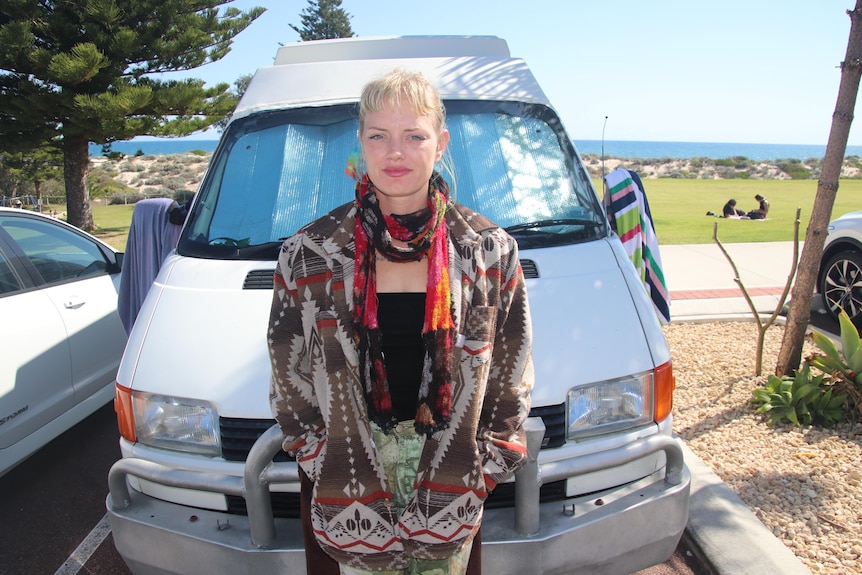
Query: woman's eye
417, 138
375, 137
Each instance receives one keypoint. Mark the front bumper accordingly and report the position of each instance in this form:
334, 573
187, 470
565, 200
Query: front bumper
620, 530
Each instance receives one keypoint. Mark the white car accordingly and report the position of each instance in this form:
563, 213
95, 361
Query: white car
61, 339
197, 490
840, 278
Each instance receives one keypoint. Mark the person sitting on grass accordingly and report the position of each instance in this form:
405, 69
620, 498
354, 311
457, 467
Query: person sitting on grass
729, 210
762, 210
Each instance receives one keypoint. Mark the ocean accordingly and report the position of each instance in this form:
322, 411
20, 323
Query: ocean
612, 148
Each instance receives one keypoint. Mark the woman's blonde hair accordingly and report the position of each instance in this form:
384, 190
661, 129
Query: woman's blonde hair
397, 86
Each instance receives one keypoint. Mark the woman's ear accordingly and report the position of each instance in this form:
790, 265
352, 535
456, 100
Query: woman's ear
442, 143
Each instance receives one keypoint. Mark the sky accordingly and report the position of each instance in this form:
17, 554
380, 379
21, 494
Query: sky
736, 71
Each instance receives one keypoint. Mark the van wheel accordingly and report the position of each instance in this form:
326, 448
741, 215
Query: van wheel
841, 285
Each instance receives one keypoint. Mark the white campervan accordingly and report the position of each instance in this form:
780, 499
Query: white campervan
203, 486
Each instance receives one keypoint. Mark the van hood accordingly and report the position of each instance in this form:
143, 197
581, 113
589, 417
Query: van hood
200, 334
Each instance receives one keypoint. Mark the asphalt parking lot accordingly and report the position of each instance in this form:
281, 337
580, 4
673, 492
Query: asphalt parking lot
52, 502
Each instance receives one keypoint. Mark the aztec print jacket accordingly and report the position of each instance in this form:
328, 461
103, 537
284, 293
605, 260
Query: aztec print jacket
318, 400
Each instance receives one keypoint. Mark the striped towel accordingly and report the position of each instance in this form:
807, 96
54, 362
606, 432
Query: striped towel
629, 212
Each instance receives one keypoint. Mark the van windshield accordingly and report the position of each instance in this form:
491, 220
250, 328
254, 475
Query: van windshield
273, 173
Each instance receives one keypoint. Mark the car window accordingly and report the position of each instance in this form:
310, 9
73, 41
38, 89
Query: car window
275, 173
8, 280
57, 254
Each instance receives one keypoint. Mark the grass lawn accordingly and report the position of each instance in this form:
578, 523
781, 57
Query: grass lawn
678, 208
113, 224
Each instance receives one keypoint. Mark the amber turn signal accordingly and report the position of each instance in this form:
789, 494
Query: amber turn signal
665, 383
125, 414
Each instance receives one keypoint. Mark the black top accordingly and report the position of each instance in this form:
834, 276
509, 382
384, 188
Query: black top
400, 316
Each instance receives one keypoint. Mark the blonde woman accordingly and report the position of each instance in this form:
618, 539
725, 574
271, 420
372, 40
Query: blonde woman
400, 341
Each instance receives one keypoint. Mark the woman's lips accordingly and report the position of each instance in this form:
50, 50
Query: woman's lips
395, 172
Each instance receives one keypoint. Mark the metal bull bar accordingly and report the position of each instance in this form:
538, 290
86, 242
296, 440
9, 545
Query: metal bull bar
260, 472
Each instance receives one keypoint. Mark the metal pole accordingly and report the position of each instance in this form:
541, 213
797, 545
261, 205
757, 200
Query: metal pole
528, 480
603, 147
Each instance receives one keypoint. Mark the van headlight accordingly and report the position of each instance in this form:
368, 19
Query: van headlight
176, 423
609, 406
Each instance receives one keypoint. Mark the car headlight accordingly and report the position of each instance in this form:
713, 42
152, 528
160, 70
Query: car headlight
609, 406
176, 423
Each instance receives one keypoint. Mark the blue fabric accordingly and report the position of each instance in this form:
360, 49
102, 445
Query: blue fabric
151, 238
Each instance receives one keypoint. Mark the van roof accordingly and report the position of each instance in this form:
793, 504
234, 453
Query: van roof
383, 47
327, 72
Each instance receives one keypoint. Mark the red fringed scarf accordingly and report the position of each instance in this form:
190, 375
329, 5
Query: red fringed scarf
425, 233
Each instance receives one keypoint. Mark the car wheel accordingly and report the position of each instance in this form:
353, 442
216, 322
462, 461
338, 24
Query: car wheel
841, 285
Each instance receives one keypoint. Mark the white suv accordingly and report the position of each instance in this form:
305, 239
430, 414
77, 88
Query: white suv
198, 490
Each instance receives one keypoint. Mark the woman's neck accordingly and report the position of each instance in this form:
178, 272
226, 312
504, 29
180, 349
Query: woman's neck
397, 277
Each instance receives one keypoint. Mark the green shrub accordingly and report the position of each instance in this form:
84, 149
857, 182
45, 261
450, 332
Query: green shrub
794, 169
844, 366
833, 396
130, 167
802, 399
725, 172
125, 198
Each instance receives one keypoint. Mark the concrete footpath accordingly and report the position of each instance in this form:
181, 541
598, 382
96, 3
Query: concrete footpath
701, 284
721, 527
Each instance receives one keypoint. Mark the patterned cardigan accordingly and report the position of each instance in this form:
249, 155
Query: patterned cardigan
318, 401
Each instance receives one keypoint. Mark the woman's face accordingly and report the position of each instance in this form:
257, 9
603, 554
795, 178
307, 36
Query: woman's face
400, 148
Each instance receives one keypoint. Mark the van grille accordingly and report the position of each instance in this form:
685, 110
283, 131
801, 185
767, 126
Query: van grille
262, 279
238, 435
554, 417
503, 495
284, 505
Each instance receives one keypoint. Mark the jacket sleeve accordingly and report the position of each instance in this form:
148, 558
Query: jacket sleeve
501, 438
292, 398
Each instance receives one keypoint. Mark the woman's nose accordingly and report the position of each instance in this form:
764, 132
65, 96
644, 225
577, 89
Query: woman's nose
394, 148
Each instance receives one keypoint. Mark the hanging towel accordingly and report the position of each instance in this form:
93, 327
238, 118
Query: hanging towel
628, 210
152, 237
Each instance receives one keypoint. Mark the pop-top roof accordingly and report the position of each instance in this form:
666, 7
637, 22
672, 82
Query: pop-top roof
327, 72
385, 47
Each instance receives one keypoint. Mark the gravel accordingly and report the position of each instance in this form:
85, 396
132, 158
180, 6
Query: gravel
803, 483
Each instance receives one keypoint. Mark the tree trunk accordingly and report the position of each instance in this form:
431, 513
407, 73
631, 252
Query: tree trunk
76, 161
790, 354
37, 185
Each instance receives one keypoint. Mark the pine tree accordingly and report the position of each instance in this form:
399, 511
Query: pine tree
323, 19
35, 166
240, 85
79, 71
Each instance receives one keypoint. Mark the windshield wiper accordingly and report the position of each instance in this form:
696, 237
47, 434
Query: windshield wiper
553, 222
266, 251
